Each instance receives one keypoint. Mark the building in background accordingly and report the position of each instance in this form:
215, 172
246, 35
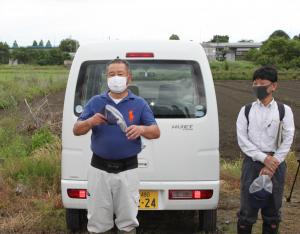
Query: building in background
228, 51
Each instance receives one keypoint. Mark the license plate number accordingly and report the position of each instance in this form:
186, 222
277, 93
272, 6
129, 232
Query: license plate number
148, 200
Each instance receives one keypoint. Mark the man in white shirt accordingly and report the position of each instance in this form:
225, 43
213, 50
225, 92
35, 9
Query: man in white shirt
258, 133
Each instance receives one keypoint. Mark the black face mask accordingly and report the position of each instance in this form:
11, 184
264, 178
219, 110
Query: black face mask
261, 91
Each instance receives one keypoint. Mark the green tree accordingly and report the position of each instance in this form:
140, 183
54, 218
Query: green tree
38, 56
41, 44
48, 44
15, 45
66, 56
220, 38
297, 37
281, 52
68, 45
174, 37
279, 33
4, 53
34, 43
41, 57
246, 40
56, 57
252, 55
21, 54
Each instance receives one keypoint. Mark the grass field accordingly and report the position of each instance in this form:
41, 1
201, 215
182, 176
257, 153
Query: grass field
243, 70
27, 81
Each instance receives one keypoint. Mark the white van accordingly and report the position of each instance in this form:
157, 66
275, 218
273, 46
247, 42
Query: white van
178, 171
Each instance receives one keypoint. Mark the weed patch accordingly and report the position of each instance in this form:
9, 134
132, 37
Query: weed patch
41, 137
38, 172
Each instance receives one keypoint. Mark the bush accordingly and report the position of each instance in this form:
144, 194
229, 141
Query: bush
12, 144
17, 147
278, 51
252, 55
226, 70
40, 138
226, 66
40, 171
42, 57
4, 53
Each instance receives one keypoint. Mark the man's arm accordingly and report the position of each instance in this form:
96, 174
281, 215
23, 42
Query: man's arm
288, 130
245, 144
149, 132
82, 127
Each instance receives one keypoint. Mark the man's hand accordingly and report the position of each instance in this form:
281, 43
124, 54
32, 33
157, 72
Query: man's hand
82, 127
271, 163
266, 171
97, 119
134, 131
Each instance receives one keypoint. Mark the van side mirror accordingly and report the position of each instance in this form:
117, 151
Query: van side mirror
200, 111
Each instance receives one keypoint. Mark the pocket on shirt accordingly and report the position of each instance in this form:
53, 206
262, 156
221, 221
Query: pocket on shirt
272, 129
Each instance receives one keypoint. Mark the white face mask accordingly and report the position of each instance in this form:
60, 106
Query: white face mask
117, 84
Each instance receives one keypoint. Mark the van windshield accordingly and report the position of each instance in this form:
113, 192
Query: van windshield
173, 89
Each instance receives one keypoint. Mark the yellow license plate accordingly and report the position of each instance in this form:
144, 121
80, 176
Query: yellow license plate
148, 200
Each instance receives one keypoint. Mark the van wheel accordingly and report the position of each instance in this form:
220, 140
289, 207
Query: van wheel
76, 219
208, 221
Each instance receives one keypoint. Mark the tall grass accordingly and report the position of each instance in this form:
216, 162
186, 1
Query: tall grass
231, 172
29, 179
30, 158
39, 171
25, 81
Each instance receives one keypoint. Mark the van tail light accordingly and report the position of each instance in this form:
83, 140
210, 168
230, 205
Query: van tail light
77, 193
190, 194
139, 55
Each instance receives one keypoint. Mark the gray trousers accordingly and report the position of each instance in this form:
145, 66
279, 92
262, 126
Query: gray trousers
109, 194
270, 214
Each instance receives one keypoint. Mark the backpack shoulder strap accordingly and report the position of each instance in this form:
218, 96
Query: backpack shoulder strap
281, 110
247, 110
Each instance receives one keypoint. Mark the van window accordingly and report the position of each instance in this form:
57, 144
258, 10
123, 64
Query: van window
173, 89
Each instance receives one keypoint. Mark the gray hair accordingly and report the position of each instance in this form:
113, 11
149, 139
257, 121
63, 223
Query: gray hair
118, 60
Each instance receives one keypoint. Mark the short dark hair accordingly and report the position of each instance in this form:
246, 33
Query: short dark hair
266, 73
118, 60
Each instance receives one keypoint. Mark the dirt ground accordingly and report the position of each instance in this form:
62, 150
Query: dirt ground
231, 95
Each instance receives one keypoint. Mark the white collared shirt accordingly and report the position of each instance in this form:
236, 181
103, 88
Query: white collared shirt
261, 135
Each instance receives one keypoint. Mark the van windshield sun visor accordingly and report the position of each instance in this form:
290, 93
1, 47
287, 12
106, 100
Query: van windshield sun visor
114, 116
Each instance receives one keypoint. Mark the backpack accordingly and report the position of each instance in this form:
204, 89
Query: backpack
280, 106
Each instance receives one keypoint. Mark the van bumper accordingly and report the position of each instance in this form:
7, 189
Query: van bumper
162, 188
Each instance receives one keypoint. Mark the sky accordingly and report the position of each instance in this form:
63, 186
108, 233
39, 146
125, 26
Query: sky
90, 21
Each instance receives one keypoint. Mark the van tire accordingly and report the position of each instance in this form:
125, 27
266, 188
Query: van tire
76, 219
208, 221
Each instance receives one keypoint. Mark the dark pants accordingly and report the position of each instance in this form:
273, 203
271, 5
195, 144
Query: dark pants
270, 214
